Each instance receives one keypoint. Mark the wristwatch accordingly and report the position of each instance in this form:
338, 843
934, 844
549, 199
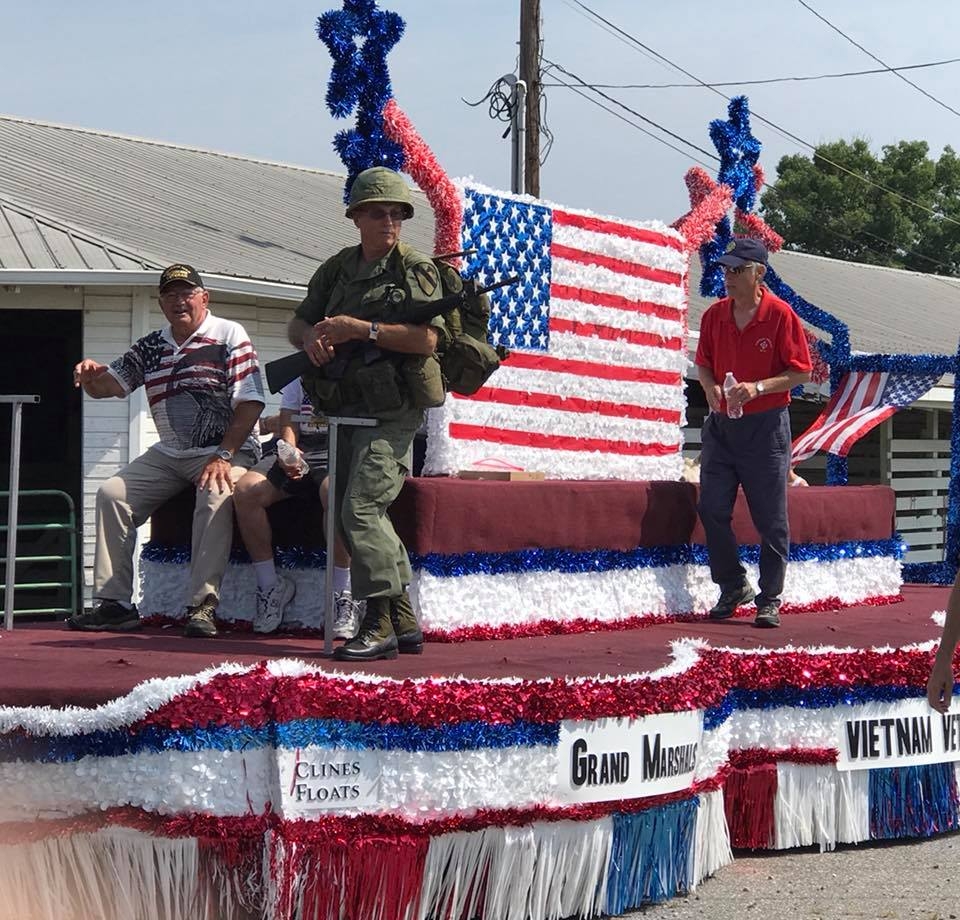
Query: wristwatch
224, 453
760, 388
374, 331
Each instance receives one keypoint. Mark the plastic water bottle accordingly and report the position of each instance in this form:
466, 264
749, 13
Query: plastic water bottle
290, 456
729, 382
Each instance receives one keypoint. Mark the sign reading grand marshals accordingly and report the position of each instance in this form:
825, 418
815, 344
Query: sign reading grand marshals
315, 779
903, 734
612, 759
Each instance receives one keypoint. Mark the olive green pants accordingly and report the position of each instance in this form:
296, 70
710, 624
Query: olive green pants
371, 466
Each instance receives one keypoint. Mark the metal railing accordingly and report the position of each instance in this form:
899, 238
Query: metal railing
16, 409
65, 527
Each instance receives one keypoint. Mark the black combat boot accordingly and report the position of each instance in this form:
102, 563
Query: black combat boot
405, 625
376, 639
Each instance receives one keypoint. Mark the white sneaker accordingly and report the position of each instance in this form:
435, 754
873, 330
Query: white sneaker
347, 614
271, 604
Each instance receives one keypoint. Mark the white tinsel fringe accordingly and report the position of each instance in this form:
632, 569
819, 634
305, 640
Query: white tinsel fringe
712, 847
114, 874
546, 871
818, 804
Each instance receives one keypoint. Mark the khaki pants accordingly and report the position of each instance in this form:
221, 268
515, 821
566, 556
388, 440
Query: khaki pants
126, 500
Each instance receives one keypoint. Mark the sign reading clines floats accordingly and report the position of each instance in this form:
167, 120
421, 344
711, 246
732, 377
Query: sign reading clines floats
904, 734
628, 758
316, 779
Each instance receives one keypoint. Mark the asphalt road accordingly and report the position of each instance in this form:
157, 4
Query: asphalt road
912, 880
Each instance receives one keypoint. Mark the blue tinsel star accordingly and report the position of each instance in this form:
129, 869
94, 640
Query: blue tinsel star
739, 151
360, 79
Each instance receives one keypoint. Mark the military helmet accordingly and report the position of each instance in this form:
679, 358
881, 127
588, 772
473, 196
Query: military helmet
380, 184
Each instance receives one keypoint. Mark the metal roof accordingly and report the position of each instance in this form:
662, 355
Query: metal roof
30, 239
72, 198
888, 311
225, 214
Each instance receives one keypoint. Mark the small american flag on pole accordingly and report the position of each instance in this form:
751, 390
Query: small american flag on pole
861, 402
593, 388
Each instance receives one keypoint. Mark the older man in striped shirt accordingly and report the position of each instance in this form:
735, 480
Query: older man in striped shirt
203, 384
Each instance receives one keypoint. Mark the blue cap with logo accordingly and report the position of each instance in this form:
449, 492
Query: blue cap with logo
742, 250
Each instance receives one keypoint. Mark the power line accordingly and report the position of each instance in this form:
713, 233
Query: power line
633, 112
781, 130
639, 128
870, 54
801, 79
553, 66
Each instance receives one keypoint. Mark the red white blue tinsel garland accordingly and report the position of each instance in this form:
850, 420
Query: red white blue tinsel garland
548, 591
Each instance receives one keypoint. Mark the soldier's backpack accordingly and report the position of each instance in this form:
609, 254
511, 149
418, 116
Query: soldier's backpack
466, 358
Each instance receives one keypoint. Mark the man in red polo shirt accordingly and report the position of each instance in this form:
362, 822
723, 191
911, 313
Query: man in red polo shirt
760, 340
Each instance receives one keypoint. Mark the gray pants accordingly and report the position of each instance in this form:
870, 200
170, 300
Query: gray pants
126, 500
752, 452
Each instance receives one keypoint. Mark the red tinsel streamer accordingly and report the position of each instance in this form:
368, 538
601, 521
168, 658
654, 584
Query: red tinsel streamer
752, 757
709, 202
748, 796
427, 172
821, 370
257, 698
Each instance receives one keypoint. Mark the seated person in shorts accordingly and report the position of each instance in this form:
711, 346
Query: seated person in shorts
269, 482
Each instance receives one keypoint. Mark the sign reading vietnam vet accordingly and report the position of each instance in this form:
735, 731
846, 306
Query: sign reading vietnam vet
314, 779
612, 759
904, 734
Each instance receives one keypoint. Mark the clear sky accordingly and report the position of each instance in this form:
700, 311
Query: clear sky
249, 77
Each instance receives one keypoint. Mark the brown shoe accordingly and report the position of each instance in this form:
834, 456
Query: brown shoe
201, 619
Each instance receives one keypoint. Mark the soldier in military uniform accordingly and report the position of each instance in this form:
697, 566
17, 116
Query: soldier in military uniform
371, 363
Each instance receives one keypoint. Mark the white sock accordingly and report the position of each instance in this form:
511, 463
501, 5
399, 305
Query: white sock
266, 573
341, 579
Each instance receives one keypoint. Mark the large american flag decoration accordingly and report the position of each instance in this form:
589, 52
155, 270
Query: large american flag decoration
597, 328
860, 403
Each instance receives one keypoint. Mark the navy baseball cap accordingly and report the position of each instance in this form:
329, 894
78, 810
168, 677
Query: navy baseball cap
743, 250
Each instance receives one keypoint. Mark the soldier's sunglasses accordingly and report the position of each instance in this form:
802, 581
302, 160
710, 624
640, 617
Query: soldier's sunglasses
395, 214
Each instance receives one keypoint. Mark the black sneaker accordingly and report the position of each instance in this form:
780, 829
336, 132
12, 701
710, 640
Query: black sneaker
729, 601
201, 623
768, 616
107, 616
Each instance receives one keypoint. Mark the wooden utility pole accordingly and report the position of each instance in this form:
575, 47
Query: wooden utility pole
530, 74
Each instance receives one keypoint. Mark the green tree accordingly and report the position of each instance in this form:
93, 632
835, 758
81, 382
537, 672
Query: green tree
907, 215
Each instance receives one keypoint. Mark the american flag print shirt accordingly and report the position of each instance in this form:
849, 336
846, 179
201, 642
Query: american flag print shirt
192, 388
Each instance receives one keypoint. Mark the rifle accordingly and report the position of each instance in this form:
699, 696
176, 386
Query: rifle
281, 371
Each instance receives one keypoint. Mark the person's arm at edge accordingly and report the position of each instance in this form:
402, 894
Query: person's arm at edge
96, 380
940, 683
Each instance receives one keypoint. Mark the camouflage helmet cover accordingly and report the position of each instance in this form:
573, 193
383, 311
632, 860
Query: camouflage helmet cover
379, 184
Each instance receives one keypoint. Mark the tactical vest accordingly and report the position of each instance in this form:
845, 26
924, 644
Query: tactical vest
463, 361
